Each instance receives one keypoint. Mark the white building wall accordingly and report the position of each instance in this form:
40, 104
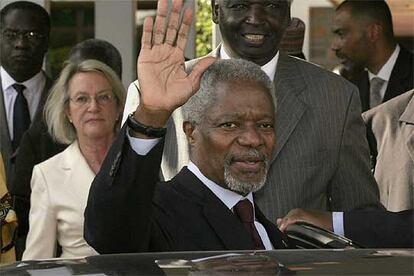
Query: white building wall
115, 22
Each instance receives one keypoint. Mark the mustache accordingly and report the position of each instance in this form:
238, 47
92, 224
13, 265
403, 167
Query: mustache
250, 155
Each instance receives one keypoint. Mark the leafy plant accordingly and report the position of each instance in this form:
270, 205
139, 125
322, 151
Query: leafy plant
204, 28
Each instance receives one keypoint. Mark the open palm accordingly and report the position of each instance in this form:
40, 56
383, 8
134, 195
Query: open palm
164, 83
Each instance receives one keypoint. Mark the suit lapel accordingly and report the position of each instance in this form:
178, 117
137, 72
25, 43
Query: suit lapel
278, 239
5, 144
42, 101
289, 85
5, 141
407, 119
399, 76
77, 174
227, 226
223, 222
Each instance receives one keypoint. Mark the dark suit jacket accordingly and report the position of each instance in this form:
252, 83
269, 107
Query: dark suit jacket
401, 79
128, 211
380, 229
5, 141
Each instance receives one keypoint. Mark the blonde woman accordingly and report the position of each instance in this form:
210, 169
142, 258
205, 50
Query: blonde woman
83, 110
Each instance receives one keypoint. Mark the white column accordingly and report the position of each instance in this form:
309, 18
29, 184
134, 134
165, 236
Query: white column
191, 48
216, 35
115, 22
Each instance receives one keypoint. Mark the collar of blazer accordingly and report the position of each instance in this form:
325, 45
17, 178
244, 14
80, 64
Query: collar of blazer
220, 218
224, 223
76, 172
408, 118
408, 114
401, 78
289, 86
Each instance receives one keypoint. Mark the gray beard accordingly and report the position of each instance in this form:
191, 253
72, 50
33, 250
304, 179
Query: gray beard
243, 187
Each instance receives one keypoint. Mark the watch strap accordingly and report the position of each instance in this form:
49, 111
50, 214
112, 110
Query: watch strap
144, 129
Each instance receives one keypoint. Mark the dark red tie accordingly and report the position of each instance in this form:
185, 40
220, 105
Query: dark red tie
21, 115
244, 210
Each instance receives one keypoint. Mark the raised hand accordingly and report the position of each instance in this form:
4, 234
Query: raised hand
164, 84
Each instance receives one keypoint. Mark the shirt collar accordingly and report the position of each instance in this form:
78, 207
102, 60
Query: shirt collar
31, 84
386, 70
269, 68
229, 198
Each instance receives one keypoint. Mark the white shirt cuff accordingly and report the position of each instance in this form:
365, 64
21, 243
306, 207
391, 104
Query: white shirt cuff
338, 223
142, 146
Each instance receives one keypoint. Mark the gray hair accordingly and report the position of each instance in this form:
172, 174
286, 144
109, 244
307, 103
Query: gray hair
229, 70
57, 122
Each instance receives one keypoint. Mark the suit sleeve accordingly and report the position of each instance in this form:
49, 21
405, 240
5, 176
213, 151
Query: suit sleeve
42, 238
380, 229
353, 184
118, 216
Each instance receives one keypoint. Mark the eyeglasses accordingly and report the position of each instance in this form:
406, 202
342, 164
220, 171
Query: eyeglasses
12, 35
83, 100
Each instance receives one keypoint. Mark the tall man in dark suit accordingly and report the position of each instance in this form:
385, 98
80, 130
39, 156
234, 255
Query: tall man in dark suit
229, 126
364, 35
321, 158
25, 28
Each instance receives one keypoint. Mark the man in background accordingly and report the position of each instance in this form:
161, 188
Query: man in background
25, 28
364, 35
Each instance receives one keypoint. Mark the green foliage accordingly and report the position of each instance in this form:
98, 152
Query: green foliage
204, 28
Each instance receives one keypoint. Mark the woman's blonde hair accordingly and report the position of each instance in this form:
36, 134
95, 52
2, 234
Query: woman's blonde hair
57, 122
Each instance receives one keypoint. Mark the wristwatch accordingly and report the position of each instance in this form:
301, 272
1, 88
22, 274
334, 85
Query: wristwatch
143, 129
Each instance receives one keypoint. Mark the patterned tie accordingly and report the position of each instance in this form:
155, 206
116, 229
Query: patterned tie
374, 92
21, 115
244, 210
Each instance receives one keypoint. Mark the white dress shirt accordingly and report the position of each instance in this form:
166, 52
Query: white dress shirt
338, 223
269, 68
229, 198
32, 93
386, 70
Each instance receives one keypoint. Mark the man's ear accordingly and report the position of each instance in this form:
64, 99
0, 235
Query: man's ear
215, 11
374, 31
189, 129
